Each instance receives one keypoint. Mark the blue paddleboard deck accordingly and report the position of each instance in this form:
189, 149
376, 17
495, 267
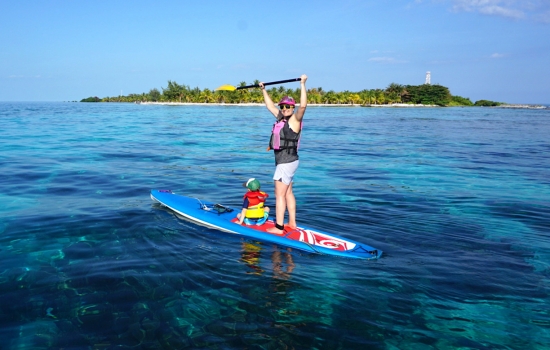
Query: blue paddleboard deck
223, 218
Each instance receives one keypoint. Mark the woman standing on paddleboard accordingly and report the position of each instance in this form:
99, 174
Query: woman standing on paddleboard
285, 139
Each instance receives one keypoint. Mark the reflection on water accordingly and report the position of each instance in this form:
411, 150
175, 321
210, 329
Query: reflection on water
282, 263
282, 289
251, 257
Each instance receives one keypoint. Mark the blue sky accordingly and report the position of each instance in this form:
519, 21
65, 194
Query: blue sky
68, 50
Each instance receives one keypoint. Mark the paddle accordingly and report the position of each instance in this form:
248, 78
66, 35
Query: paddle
232, 88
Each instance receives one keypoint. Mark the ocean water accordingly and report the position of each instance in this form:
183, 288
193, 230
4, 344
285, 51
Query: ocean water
457, 198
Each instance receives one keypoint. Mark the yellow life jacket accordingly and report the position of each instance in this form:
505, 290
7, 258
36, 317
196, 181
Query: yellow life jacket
255, 212
256, 201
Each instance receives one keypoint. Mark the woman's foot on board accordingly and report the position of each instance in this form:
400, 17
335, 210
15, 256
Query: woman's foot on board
277, 229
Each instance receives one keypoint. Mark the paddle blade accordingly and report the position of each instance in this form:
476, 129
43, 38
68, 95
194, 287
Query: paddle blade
227, 88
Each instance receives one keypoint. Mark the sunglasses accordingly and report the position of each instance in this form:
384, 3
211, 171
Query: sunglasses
286, 107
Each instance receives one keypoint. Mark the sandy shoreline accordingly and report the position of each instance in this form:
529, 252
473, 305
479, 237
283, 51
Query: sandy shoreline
261, 104
518, 106
393, 105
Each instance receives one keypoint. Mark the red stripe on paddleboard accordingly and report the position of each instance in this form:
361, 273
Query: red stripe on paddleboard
307, 236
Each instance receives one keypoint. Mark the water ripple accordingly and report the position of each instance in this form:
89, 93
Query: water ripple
457, 198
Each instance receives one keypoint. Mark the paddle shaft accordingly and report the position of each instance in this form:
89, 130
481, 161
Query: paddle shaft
270, 83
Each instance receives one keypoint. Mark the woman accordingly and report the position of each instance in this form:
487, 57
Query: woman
285, 139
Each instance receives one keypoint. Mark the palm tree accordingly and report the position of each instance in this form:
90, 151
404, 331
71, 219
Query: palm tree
354, 98
331, 97
154, 95
256, 98
219, 96
364, 97
380, 96
349, 97
193, 95
206, 96
340, 97
276, 93
313, 96
395, 92
173, 91
243, 93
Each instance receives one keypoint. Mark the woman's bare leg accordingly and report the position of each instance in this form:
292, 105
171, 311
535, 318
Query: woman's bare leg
280, 205
291, 206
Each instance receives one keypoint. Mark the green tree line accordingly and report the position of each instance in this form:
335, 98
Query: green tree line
395, 93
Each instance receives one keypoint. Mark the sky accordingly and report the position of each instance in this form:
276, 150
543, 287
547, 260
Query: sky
68, 50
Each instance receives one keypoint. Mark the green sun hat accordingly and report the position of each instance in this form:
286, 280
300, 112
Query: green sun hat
252, 184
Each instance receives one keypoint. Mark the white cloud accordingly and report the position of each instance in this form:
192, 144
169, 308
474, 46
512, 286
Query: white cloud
505, 8
537, 10
502, 11
497, 55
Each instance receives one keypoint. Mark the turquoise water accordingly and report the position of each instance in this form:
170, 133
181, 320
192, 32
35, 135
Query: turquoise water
457, 198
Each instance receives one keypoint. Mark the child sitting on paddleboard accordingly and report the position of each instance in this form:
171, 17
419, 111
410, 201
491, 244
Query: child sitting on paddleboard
254, 211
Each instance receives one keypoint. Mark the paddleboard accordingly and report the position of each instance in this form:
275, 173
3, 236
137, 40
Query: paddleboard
224, 218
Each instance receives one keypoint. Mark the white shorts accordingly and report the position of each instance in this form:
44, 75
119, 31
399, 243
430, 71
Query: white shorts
285, 172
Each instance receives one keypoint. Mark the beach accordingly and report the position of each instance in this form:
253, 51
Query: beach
297, 104
390, 105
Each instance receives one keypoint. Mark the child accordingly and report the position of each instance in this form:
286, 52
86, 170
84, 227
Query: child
254, 212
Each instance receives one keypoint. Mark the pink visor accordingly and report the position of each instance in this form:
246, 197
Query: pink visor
287, 100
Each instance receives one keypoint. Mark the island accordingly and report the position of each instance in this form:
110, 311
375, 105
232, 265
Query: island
395, 95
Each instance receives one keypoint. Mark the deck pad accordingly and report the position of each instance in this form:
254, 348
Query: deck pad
306, 236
